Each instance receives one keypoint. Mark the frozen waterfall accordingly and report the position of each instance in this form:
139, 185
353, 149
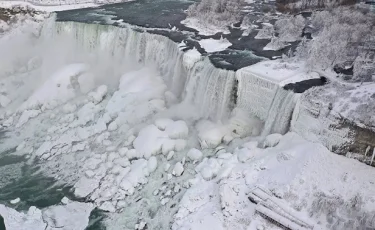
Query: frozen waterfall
212, 91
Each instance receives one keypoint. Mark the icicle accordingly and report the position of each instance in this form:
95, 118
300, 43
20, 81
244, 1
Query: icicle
373, 155
367, 150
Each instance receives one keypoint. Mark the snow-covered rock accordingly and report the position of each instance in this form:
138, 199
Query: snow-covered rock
4, 101
98, 95
26, 115
152, 164
272, 140
72, 215
178, 169
22, 221
194, 154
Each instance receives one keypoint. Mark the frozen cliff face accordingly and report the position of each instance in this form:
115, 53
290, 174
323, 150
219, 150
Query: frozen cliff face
341, 119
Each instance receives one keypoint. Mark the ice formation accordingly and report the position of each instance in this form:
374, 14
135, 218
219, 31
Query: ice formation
70, 215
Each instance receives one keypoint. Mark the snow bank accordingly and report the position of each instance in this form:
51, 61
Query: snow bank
206, 29
212, 45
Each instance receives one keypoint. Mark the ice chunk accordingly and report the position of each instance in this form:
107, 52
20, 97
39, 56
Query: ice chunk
132, 154
112, 126
65, 200
163, 123
4, 101
22, 221
272, 140
107, 206
212, 45
208, 168
15, 201
194, 154
26, 115
178, 169
177, 130
167, 166
98, 95
251, 145
69, 108
123, 162
85, 186
149, 141
73, 215
152, 164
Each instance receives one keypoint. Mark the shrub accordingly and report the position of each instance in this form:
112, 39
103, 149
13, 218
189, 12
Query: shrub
216, 12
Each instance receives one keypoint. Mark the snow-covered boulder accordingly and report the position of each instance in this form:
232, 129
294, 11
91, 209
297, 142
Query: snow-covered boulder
272, 140
4, 101
194, 154
98, 95
165, 136
178, 169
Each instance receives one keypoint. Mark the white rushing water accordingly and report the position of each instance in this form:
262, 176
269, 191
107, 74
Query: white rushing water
204, 86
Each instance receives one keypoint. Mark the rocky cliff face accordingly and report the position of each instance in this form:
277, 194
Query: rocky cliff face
339, 117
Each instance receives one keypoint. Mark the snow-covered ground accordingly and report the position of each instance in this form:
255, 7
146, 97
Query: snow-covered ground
125, 129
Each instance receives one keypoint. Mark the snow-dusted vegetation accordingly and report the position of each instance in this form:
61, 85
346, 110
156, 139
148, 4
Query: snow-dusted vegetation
341, 38
214, 16
298, 5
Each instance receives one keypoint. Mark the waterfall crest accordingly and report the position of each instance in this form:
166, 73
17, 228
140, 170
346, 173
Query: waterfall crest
212, 91
207, 88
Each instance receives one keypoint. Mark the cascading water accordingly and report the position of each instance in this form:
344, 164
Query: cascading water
208, 88
280, 113
266, 100
211, 89
124, 45
255, 94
